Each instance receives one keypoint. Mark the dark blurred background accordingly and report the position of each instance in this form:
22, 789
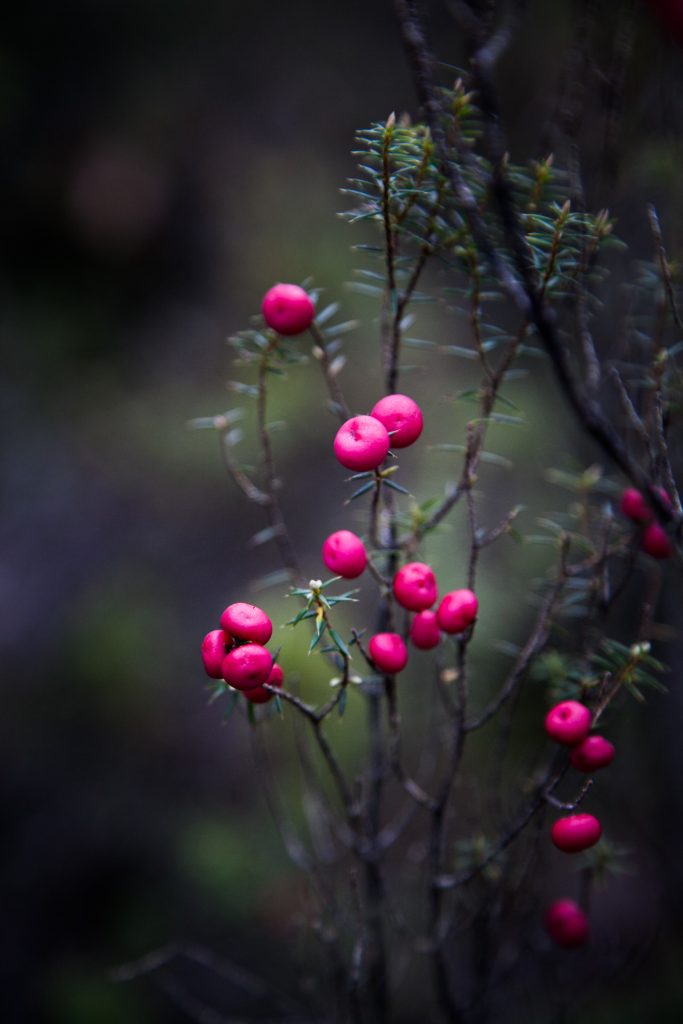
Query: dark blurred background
163, 164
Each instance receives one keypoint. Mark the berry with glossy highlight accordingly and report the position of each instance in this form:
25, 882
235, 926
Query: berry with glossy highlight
415, 586
457, 611
576, 832
401, 416
288, 309
361, 443
247, 666
247, 622
568, 722
592, 753
344, 554
566, 923
215, 646
424, 630
388, 652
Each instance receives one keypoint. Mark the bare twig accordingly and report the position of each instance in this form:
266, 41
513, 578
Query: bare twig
334, 390
664, 267
534, 644
272, 505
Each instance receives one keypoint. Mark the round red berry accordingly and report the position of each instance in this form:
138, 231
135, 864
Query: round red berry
415, 586
655, 541
576, 832
247, 666
402, 418
592, 753
635, 507
215, 646
259, 695
361, 443
344, 554
388, 652
424, 630
288, 309
568, 722
457, 611
247, 622
566, 923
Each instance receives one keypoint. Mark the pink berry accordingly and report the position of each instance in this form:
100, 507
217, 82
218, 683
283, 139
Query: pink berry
388, 652
247, 666
344, 554
361, 443
424, 630
402, 418
635, 507
288, 309
568, 722
592, 753
655, 541
457, 611
247, 622
260, 696
215, 646
576, 832
415, 586
566, 923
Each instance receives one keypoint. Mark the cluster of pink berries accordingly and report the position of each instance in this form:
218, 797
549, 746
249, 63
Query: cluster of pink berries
236, 652
363, 442
415, 589
654, 540
569, 723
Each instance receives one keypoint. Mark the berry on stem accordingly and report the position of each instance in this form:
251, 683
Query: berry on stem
344, 554
260, 696
576, 832
361, 443
457, 611
388, 652
215, 646
247, 622
566, 923
247, 666
288, 309
592, 753
634, 506
424, 630
401, 416
655, 541
415, 586
568, 722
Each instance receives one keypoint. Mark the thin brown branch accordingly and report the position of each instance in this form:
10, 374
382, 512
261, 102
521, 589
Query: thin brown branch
245, 484
276, 519
664, 266
546, 787
534, 644
519, 284
334, 390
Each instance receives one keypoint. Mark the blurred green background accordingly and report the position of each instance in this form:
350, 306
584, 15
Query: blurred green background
165, 163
